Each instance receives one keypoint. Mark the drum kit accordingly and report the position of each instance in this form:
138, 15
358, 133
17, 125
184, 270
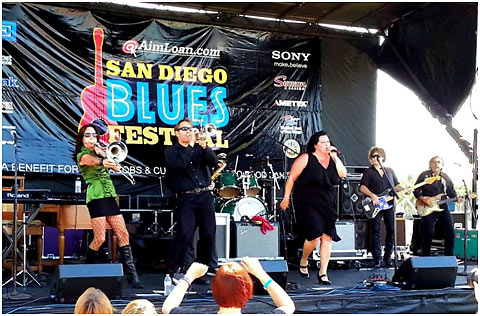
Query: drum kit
239, 196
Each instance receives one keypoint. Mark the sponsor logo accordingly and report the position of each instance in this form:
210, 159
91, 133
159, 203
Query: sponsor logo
282, 82
291, 148
133, 47
290, 56
6, 60
7, 107
9, 82
291, 103
291, 125
9, 31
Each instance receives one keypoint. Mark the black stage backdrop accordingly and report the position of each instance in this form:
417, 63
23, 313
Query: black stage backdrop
63, 68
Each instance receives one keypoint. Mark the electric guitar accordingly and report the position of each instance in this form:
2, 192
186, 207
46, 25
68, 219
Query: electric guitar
94, 97
371, 210
424, 210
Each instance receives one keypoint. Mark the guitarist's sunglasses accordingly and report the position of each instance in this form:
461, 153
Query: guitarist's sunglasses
90, 134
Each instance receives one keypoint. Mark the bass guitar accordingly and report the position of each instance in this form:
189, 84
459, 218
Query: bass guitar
371, 210
424, 210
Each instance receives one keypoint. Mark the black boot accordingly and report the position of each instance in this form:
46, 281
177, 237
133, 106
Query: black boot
91, 256
131, 272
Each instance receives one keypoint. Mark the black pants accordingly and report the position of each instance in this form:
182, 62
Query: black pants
388, 218
428, 223
193, 210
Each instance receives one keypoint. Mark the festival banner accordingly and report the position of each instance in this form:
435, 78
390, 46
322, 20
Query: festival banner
62, 69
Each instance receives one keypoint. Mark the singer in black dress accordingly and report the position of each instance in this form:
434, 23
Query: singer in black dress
315, 174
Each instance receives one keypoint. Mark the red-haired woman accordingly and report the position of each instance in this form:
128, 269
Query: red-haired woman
101, 200
232, 287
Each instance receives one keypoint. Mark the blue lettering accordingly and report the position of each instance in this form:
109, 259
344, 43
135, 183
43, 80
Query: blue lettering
221, 116
144, 113
196, 106
169, 114
120, 107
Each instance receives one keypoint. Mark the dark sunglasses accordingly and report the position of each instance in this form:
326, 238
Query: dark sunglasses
185, 128
90, 134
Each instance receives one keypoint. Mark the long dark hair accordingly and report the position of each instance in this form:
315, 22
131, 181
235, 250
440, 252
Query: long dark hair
79, 140
314, 140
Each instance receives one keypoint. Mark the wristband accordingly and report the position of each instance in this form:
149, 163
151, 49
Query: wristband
267, 284
189, 282
100, 162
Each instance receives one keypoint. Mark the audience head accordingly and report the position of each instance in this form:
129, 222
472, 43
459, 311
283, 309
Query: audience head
93, 301
140, 306
232, 286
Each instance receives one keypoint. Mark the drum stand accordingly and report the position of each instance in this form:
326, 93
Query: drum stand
156, 228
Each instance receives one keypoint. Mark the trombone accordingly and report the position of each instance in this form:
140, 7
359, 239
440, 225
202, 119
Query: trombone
117, 152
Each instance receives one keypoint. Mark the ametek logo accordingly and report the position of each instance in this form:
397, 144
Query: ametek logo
291, 103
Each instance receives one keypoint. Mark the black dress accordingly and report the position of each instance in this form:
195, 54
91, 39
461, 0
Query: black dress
314, 199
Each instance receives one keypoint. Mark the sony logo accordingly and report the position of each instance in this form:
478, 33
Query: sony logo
290, 55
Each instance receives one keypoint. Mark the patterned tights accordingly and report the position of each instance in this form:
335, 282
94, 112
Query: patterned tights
99, 226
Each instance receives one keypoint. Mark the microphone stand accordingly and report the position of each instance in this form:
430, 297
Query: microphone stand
275, 184
392, 187
466, 205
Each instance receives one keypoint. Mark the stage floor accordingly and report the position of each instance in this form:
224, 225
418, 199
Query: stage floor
347, 294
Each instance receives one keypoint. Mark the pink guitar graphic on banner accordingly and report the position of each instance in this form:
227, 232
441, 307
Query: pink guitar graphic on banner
94, 97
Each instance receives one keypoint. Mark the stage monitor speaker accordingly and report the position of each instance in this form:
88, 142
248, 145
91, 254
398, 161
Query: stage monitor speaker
277, 270
248, 240
427, 273
71, 281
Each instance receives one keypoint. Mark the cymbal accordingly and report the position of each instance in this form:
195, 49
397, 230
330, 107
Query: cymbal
264, 161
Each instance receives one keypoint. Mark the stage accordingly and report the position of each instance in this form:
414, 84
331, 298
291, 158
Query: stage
350, 293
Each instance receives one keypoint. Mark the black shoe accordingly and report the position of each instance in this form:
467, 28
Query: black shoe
377, 264
388, 262
304, 275
91, 256
203, 281
211, 271
323, 279
130, 270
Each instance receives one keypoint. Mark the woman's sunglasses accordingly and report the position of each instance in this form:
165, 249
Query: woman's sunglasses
90, 134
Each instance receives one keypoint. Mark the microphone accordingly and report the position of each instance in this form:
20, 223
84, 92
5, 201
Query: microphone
251, 130
333, 149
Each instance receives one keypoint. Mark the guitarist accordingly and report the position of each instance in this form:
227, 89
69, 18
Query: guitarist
444, 186
374, 181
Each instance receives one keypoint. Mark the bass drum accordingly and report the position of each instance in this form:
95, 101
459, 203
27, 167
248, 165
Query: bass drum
248, 206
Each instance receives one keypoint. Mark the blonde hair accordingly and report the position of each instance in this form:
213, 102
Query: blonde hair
140, 306
93, 301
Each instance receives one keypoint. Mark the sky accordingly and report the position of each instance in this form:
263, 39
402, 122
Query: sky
411, 136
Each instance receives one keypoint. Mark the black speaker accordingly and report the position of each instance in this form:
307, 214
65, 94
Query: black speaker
350, 198
70, 281
277, 270
427, 273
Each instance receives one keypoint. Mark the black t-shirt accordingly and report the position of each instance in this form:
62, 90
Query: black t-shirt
377, 184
